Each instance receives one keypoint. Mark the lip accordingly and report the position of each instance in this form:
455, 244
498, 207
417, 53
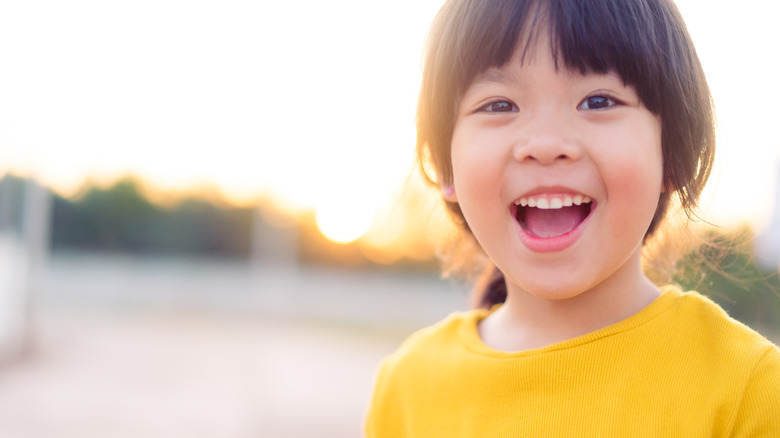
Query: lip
557, 243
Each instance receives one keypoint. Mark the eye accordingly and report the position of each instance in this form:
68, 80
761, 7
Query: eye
499, 106
597, 102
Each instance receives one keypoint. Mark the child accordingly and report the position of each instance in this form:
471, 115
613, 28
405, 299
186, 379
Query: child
558, 132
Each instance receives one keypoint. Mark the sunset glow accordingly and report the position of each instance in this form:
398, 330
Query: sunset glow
343, 221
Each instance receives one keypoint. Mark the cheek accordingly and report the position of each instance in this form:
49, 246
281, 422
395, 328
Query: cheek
636, 179
477, 171
474, 162
640, 172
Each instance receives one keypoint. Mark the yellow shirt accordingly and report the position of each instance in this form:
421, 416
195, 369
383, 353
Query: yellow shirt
678, 368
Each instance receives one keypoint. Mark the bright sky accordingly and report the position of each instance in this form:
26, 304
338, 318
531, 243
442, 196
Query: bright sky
309, 101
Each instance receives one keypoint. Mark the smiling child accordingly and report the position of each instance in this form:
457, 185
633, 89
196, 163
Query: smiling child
559, 132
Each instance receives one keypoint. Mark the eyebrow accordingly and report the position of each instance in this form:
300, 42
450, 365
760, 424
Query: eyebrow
492, 75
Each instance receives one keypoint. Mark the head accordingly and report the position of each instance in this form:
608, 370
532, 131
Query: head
644, 42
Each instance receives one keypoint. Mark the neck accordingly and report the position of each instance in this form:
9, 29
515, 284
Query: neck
526, 321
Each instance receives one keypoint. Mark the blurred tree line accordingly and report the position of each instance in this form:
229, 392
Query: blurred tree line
121, 218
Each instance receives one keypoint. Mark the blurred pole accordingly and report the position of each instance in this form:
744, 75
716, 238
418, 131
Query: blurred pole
36, 226
6, 205
23, 251
274, 254
12, 261
767, 244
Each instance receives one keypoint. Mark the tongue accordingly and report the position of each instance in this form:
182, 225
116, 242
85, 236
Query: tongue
553, 222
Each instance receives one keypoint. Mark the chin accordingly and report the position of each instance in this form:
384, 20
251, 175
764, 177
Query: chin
554, 291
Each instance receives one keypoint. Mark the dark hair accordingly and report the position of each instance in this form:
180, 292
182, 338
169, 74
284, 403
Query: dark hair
644, 41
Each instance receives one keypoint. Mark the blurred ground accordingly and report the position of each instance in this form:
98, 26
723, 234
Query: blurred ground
163, 348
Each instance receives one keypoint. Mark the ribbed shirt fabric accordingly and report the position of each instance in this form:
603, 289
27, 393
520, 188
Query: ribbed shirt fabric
678, 368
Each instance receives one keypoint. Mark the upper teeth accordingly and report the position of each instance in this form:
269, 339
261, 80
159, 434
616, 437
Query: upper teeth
548, 202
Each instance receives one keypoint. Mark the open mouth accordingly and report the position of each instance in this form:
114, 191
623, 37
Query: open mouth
548, 216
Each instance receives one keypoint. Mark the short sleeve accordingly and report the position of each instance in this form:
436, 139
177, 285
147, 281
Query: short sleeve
759, 410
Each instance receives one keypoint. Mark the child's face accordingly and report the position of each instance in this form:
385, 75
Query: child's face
528, 134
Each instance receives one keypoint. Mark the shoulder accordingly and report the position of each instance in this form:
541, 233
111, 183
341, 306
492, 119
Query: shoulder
435, 341
712, 328
749, 363
695, 338
426, 351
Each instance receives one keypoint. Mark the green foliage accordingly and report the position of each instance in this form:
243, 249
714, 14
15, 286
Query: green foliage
121, 219
725, 269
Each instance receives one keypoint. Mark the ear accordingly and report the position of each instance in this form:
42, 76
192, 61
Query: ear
448, 193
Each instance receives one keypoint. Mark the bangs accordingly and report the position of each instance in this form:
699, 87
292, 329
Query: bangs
586, 36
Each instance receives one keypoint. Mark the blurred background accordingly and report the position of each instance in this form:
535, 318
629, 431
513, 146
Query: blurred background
210, 225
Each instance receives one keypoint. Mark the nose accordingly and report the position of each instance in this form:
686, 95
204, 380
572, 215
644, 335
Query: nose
546, 141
